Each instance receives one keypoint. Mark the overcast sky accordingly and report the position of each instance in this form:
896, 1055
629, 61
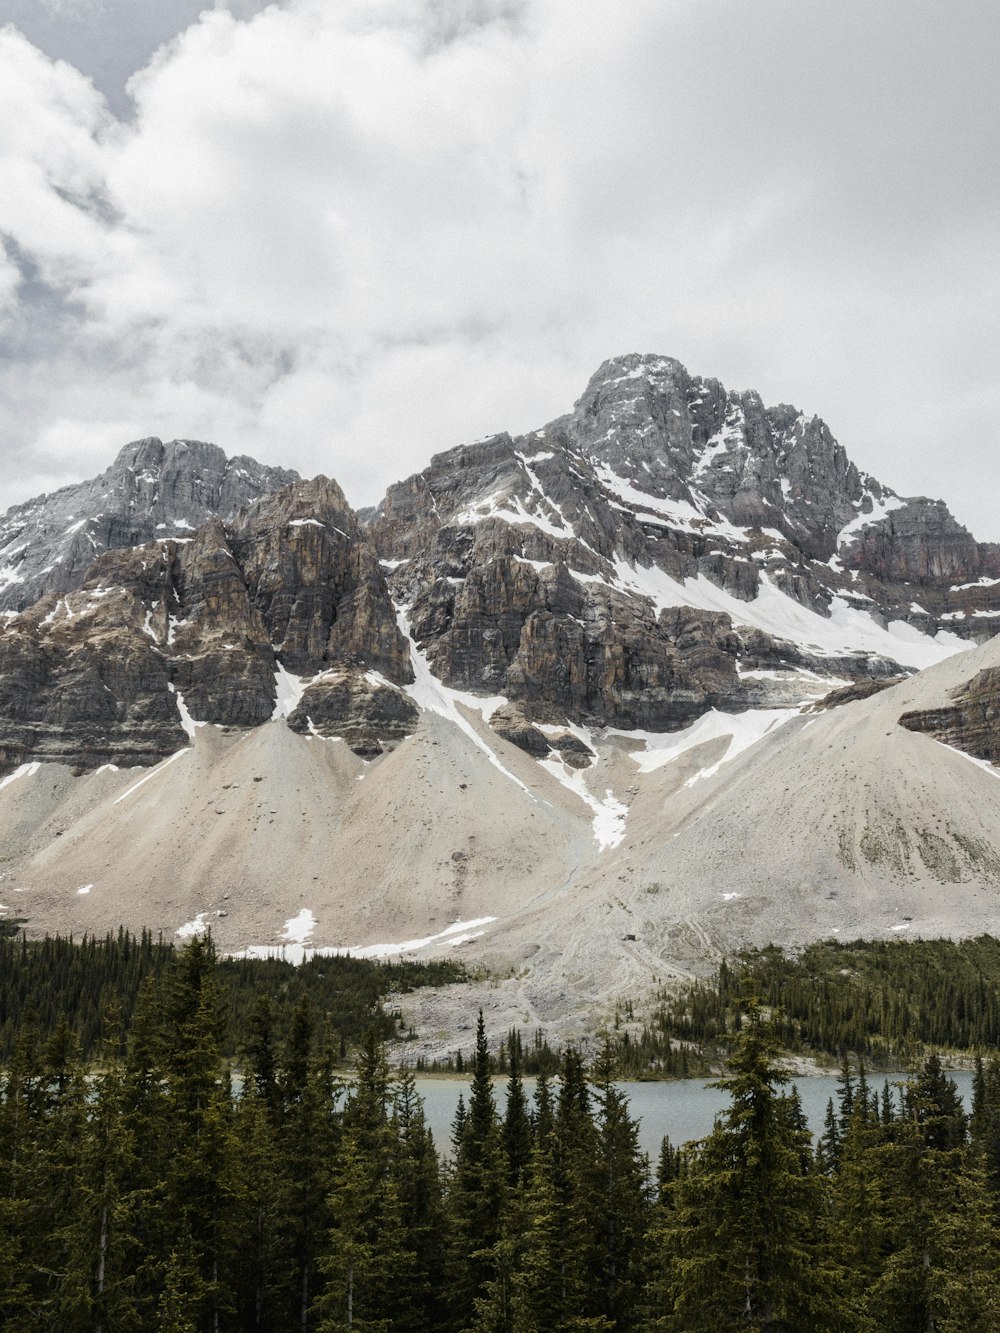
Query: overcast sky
344, 235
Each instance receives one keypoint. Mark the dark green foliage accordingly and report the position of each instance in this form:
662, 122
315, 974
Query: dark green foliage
889, 1001
517, 1120
477, 1190
150, 1190
58, 976
743, 1244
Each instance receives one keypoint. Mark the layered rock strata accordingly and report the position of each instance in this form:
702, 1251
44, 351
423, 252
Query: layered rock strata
209, 630
362, 708
574, 570
971, 722
665, 549
151, 491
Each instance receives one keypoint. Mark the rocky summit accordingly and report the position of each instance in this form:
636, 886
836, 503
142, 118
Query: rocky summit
152, 491
664, 675
669, 547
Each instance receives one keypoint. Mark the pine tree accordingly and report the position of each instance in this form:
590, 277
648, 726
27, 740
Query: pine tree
369, 1271
743, 1247
625, 1201
477, 1189
668, 1168
828, 1146
183, 1297
102, 1219
542, 1118
308, 1139
200, 1181
940, 1267
418, 1184
260, 1208
21, 1127
261, 1058
858, 1225
516, 1122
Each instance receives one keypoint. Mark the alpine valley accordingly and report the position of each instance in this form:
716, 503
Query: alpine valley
589, 706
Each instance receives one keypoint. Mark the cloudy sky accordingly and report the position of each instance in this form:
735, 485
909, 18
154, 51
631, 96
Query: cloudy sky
344, 235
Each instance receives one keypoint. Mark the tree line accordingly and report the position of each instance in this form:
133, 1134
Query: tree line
888, 1001
58, 977
148, 1189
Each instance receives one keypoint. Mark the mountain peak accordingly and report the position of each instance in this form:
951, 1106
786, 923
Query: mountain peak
643, 366
152, 490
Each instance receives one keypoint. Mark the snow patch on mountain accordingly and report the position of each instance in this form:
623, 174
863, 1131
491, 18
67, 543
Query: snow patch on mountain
846, 630
608, 822
297, 951
24, 771
458, 930
676, 513
434, 696
196, 926
288, 690
187, 721
742, 730
879, 512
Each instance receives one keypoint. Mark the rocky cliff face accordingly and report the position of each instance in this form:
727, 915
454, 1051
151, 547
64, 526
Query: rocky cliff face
579, 660
225, 627
971, 722
670, 547
665, 549
151, 491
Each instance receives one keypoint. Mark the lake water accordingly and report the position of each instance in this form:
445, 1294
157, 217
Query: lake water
682, 1109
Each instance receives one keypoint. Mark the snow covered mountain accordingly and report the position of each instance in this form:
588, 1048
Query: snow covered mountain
554, 703
151, 491
628, 541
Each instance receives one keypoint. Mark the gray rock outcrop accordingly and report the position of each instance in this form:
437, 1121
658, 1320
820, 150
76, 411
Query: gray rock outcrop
367, 712
174, 633
666, 548
556, 568
151, 491
971, 722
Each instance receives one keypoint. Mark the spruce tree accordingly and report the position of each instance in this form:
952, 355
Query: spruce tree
418, 1183
940, 1267
368, 1269
624, 1196
477, 1189
308, 1138
516, 1121
744, 1245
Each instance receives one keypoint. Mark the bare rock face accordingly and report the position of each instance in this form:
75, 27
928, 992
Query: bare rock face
971, 723
578, 570
368, 712
861, 689
511, 724
571, 749
666, 548
81, 683
165, 636
152, 490
316, 582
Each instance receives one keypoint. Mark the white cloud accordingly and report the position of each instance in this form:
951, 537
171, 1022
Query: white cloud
343, 237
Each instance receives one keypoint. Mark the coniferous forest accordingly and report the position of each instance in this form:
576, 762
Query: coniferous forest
56, 979
147, 1188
